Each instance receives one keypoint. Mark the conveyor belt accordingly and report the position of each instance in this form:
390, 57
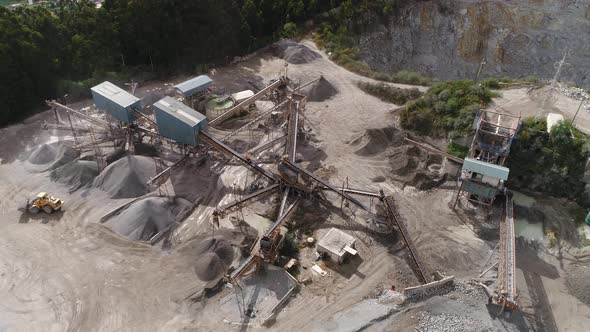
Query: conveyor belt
88, 118
507, 291
328, 186
258, 95
243, 268
256, 150
165, 172
397, 221
356, 192
434, 150
258, 118
292, 129
283, 217
255, 195
220, 146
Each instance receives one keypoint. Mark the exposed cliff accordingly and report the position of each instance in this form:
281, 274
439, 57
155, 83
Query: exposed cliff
448, 39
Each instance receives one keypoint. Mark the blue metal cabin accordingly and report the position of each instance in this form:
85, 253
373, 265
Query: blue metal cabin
116, 101
194, 85
178, 122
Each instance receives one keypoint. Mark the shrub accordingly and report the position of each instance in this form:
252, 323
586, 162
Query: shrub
552, 163
290, 246
389, 93
289, 30
457, 150
447, 107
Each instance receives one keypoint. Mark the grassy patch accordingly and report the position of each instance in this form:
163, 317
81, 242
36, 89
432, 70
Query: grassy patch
446, 109
389, 93
457, 150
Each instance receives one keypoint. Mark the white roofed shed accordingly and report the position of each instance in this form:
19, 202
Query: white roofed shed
337, 245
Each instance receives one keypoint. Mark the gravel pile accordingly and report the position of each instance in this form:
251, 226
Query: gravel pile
147, 217
578, 94
578, 282
375, 141
215, 255
294, 53
194, 179
322, 91
449, 323
51, 156
127, 177
76, 174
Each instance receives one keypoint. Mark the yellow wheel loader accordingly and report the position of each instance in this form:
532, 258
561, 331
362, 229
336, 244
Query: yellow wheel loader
44, 202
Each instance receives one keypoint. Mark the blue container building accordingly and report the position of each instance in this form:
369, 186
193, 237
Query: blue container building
194, 86
116, 102
178, 122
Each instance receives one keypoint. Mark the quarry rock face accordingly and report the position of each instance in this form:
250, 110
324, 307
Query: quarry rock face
448, 39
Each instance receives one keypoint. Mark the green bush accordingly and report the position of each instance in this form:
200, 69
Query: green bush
446, 107
457, 150
290, 246
389, 93
410, 77
553, 163
289, 30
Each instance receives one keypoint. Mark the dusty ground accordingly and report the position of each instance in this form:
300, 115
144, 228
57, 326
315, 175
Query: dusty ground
69, 272
533, 103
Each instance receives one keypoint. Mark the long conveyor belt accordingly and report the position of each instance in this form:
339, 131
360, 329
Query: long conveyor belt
356, 191
220, 146
329, 186
507, 265
229, 113
397, 220
255, 195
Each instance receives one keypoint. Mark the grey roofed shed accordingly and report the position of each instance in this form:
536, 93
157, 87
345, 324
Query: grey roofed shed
194, 85
178, 122
116, 101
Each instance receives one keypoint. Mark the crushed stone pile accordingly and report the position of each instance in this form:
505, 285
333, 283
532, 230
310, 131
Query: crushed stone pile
578, 94
375, 141
416, 168
322, 91
194, 179
578, 282
449, 322
51, 156
215, 253
143, 219
76, 174
127, 177
294, 53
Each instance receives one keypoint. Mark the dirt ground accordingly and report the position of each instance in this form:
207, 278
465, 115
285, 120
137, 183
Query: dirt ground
69, 272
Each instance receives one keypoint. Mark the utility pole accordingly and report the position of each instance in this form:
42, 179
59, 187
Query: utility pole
553, 86
580, 106
132, 86
481, 64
